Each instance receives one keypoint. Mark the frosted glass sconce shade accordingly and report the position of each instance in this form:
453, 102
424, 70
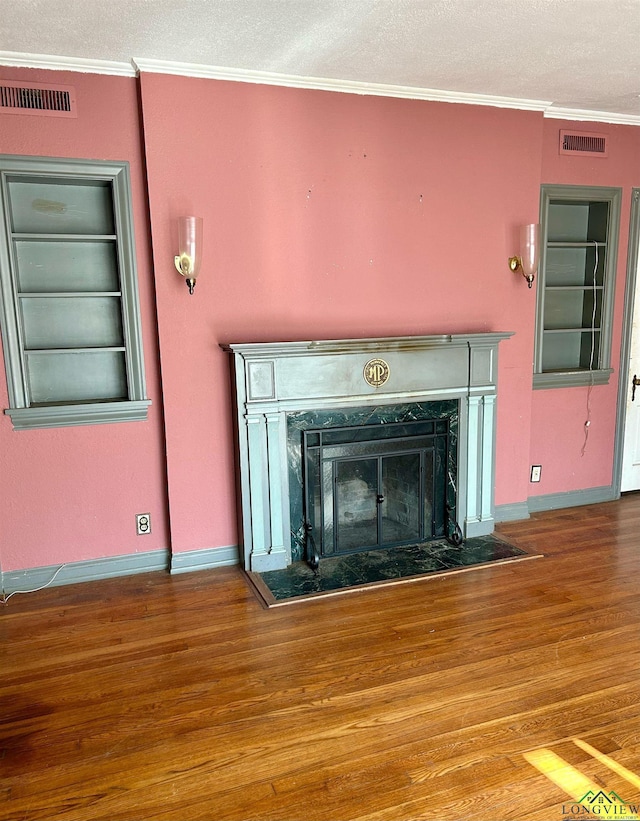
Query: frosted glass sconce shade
527, 262
189, 254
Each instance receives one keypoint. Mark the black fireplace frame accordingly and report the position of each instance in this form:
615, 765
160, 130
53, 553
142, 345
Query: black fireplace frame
329, 451
357, 422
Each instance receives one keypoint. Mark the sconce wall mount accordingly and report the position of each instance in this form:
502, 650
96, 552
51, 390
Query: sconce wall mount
527, 262
188, 260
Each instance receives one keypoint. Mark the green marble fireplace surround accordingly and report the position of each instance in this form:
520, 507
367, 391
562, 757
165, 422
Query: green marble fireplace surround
279, 383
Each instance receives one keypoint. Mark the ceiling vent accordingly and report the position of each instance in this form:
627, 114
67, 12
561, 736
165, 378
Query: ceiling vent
584, 143
37, 98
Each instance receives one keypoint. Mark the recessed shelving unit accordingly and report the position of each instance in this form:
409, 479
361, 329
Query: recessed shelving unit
68, 291
70, 318
576, 285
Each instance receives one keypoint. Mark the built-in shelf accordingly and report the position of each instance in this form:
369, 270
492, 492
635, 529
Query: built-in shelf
576, 285
71, 326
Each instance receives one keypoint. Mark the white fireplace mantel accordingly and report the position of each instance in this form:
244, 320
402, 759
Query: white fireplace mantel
276, 378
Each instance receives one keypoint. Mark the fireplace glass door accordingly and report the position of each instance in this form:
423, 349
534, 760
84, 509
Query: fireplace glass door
377, 501
376, 486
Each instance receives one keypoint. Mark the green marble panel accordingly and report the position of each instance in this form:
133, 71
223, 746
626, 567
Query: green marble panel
338, 572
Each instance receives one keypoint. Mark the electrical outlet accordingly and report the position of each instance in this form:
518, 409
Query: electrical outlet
536, 471
143, 523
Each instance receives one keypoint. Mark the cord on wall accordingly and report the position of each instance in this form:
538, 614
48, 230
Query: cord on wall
587, 423
6, 596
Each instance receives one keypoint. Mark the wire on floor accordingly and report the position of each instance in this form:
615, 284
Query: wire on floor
6, 596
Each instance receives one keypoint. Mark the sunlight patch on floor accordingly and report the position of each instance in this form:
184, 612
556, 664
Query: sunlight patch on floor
591, 796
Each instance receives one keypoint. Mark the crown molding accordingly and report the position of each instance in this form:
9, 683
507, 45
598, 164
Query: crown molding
53, 62
558, 113
325, 84
379, 89
240, 75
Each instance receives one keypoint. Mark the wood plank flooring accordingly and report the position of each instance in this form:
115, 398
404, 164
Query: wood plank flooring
159, 697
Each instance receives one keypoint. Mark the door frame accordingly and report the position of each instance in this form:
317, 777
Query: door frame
633, 256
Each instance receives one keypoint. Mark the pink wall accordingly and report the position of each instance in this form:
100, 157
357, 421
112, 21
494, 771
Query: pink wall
70, 494
558, 416
326, 215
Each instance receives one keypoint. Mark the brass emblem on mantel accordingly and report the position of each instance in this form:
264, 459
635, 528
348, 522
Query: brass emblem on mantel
376, 372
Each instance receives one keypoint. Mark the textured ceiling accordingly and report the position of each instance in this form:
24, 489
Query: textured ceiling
575, 54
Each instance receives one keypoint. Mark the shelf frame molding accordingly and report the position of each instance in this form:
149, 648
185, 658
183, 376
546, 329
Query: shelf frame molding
583, 196
24, 413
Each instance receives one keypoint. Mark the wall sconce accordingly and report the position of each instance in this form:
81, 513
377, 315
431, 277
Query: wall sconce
527, 262
190, 249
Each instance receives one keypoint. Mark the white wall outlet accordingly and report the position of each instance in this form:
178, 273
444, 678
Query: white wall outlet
143, 523
536, 471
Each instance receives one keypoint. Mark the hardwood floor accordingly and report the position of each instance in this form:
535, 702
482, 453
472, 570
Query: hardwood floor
500, 693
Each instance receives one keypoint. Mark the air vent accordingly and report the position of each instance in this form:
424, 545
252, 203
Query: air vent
37, 98
584, 143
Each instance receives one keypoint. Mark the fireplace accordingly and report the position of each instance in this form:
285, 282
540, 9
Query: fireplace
372, 477
349, 445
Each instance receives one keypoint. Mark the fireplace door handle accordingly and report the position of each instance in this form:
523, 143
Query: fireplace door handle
635, 382
379, 498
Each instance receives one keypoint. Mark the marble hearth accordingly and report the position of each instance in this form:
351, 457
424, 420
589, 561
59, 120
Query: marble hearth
276, 382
